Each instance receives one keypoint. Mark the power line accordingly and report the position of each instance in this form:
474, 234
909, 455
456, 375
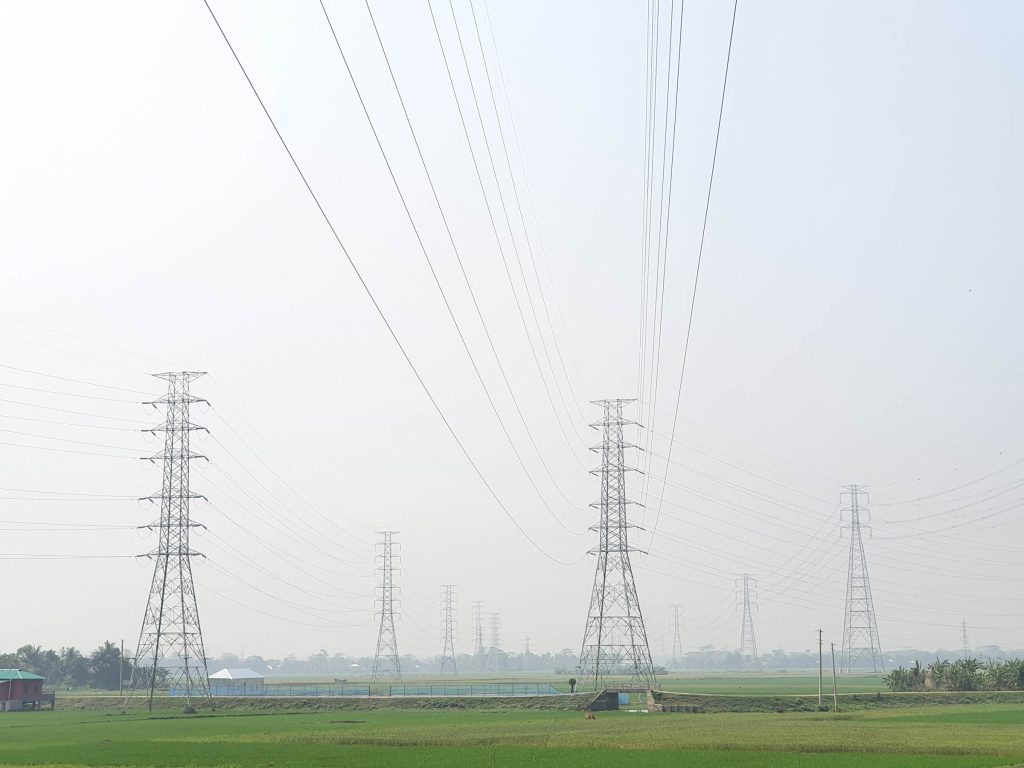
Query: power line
372, 298
536, 221
508, 223
75, 381
700, 252
458, 257
522, 218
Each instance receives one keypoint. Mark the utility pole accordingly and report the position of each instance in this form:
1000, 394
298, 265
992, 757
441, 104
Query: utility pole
170, 650
820, 670
835, 693
677, 638
747, 590
615, 638
478, 635
385, 660
120, 671
495, 647
448, 663
861, 648
526, 655
964, 644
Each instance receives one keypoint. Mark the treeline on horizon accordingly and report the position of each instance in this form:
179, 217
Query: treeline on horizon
101, 669
67, 666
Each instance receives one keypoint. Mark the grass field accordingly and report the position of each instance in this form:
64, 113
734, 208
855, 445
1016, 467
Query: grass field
982, 736
792, 684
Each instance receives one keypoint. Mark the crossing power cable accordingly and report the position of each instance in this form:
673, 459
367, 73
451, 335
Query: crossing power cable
462, 269
700, 251
522, 218
433, 271
504, 209
493, 223
533, 213
369, 293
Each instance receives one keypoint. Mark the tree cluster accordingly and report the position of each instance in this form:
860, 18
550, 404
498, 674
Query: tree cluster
101, 669
959, 675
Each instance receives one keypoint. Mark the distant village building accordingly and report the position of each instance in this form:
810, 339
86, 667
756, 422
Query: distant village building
22, 690
235, 682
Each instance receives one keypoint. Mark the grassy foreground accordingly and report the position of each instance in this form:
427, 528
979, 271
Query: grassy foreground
982, 736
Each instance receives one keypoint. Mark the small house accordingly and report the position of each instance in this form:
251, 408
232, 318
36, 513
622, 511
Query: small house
22, 690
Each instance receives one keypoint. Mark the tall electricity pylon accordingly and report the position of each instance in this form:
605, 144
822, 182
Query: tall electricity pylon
449, 666
494, 649
677, 636
965, 646
615, 639
479, 652
746, 588
861, 648
170, 650
385, 660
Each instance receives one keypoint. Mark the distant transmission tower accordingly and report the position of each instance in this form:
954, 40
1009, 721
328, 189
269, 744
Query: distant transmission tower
615, 639
750, 661
494, 649
677, 636
385, 660
861, 648
170, 651
964, 644
479, 652
448, 664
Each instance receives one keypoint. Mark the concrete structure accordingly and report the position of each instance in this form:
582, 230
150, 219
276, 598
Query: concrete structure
22, 690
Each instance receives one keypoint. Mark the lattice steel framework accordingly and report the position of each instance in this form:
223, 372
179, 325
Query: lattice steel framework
385, 660
861, 648
479, 652
449, 667
170, 652
677, 635
746, 590
965, 645
615, 638
494, 649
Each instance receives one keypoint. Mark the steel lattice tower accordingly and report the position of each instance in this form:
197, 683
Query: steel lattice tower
965, 646
170, 650
479, 651
495, 647
750, 661
677, 636
861, 648
615, 639
385, 660
448, 663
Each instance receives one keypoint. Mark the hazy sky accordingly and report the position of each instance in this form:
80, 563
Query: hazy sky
858, 316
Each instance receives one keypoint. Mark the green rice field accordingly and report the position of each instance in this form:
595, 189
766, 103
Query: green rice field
980, 735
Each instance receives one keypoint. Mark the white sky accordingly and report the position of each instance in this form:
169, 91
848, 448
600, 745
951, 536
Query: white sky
858, 315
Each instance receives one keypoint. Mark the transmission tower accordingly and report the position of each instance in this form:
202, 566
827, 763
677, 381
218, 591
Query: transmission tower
448, 664
746, 588
494, 649
615, 639
479, 651
964, 644
861, 648
170, 651
677, 636
385, 660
